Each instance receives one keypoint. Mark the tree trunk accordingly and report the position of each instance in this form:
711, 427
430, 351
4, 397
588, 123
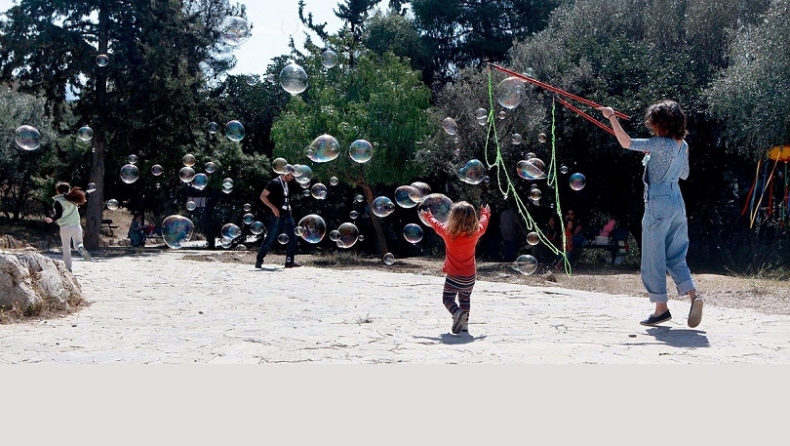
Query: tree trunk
96, 203
381, 241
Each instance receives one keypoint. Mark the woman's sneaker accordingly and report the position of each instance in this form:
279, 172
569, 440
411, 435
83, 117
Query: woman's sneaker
84, 253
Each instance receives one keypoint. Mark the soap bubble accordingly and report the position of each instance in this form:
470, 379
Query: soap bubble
473, 172
388, 259
306, 193
439, 205
382, 207
502, 115
450, 126
85, 133
247, 207
132, 159
186, 174
177, 230
334, 181
234, 131
324, 148
189, 160
412, 233
348, 234
283, 239
527, 170
542, 138
481, 113
353, 215
28, 137
210, 167
213, 128
360, 151
329, 59
112, 204
318, 191
535, 194
293, 79
248, 219
102, 60
129, 173
278, 165
530, 155
290, 168
227, 188
226, 242
298, 231
303, 174
525, 264
252, 80
200, 181
577, 181
234, 31
361, 237
257, 228
564, 169
533, 238
403, 196
314, 228
517, 139
90, 188
422, 191
230, 231
191, 206
334, 235
359, 198
510, 92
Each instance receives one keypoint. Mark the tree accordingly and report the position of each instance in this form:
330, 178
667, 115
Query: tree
161, 54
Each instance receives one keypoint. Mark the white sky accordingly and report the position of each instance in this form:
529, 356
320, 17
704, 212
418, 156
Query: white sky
272, 20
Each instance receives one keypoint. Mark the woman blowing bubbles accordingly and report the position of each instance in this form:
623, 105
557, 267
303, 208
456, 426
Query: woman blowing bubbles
665, 239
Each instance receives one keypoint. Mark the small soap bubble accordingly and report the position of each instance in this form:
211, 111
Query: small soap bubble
283, 239
306, 193
421, 190
382, 207
278, 165
189, 160
191, 205
517, 139
525, 264
213, 128
564, 169
234, 31
90, 188
528, 170
473, 172
450, 126
333, 181
102, 60
226, 242
129, 173
348, 234
412, 233
85, 133
293, 79
329, 59
359, 198
439, 205
318, 191
247, 207
502, 115
230, 230
542, 138
388, 259
210, 167
112, 204
248, 219
324, 148
533, 238
535, 194
403, 196
510, 92
200, 181
253, 80
177, 230
577, 181
234, 131
481, 113
360, 151
334, 235
298, 230
132, 159
186, 174
353, 215
257, 227
27, 137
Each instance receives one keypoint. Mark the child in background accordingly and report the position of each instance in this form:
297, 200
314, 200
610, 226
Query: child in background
460, 234
67, 216
568, 244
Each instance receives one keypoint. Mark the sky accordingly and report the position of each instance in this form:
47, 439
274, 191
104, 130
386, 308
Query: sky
272, 22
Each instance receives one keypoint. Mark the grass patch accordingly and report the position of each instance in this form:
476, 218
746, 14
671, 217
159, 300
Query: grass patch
46, 309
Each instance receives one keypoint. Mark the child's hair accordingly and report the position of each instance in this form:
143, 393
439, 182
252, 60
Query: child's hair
666, 119
462, 220
73, 194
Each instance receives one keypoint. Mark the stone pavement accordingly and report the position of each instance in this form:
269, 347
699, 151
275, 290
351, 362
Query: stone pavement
158, 308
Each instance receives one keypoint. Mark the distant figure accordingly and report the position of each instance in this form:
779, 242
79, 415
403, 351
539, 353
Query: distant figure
577, 235
665, 241
508, 227
137, 230
460, 234
67, 216
554, 235
275, 196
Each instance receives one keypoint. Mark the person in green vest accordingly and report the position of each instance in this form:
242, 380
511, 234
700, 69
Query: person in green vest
67, 216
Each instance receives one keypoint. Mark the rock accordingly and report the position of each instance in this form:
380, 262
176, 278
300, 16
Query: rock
29, 278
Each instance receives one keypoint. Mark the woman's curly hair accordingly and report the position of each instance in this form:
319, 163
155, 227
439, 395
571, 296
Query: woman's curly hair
666, 119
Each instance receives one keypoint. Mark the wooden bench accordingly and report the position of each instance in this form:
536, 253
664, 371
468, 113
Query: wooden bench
613, 247
110, 226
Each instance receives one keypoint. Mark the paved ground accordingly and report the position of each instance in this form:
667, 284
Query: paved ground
158, 308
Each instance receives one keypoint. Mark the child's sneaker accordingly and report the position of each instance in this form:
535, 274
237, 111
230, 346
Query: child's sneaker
84, 253
460, 318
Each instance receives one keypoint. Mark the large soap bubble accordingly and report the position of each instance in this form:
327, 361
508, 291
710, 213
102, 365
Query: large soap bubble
234, 131
439, 205
510, 92
329, 59
403, 196
314, 228
473, 172
293, 79
450, 126
412, 233
528, 170
360, 151
129, 173
348, 235
28, 137
324, 148
177, 230
234, 31
525, 264
382, 207
421, 190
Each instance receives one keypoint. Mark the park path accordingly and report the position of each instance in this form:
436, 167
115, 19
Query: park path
159, 308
